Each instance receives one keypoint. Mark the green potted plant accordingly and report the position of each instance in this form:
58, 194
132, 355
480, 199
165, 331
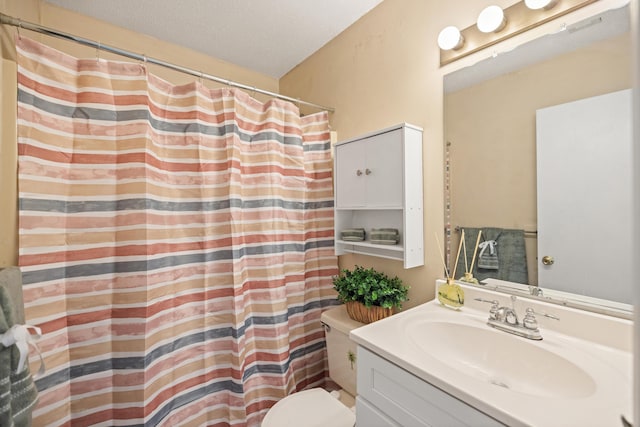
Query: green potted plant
369, 295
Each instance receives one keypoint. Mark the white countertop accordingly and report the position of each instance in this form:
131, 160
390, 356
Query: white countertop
593, 343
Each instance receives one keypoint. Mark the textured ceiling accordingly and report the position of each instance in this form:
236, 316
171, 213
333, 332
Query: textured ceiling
267, 36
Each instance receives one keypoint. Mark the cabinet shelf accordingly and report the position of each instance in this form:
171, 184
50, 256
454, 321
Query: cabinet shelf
389, 256
366, 248
366, 244
369, 208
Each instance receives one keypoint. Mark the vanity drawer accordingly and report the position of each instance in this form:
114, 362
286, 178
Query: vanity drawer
410, 401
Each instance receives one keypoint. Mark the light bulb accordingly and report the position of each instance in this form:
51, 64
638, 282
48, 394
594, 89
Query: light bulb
539, 4
450, 38
491, 19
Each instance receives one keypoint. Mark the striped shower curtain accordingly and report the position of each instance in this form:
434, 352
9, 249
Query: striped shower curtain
175, 243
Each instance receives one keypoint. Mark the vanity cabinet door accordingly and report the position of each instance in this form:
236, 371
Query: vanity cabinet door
368, 416
410, 401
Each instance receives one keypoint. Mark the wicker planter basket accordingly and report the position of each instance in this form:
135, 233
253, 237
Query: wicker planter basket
361, 313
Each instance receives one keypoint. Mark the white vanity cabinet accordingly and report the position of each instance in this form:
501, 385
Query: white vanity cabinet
378, 184
390, 396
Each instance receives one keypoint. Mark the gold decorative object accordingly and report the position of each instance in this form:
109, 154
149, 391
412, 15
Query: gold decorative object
468, 274
450, 294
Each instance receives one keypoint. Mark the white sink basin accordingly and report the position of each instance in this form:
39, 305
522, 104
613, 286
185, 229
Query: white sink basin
501, 359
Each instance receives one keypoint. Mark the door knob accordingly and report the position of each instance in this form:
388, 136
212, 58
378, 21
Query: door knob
547, 260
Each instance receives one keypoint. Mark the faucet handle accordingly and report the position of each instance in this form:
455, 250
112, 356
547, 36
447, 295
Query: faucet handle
550, 316
513, 301
494, 303
530, 321
490, 301
495, 306
536, 291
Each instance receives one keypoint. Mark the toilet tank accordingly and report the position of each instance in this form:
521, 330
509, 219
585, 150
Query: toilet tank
341, 351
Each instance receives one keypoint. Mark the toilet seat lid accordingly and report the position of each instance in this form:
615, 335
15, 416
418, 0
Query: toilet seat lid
309, 408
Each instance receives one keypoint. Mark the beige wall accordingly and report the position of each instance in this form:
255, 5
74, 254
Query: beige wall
27, 10
382, 71
491, 131
38, 11
385, 70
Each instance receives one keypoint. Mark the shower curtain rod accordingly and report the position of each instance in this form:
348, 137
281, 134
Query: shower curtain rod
10, 20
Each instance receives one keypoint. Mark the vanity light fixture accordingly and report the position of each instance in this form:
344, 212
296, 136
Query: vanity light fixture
540, 4
491, 19
450, 38
496, 25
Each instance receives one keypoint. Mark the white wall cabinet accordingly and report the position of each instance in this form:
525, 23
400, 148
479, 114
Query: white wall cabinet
370, 172
378, 184
390, 396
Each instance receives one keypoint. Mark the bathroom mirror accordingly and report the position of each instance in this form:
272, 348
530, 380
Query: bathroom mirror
490, 140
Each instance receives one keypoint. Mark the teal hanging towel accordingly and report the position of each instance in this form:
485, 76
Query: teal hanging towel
509, 259
18, 393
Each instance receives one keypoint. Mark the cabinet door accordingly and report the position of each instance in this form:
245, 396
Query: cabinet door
368, 416
350, 175
383, 170
410, 401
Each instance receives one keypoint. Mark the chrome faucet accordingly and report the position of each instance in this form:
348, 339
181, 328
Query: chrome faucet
507, 315
536, 291
506, 319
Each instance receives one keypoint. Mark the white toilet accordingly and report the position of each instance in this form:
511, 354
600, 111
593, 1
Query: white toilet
316, 407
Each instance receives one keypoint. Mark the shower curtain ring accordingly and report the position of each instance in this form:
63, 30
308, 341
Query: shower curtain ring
98, 52
19, 27
143, 65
